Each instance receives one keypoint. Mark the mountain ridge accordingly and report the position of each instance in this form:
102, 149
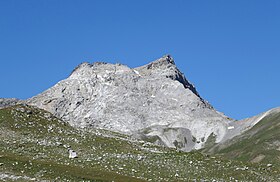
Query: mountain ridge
154, 102
128, 100
132, 124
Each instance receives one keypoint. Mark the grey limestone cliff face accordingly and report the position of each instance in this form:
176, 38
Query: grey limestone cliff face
154, 101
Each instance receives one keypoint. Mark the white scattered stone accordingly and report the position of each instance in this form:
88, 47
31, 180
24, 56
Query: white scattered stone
137, 72
72, 154
140, 158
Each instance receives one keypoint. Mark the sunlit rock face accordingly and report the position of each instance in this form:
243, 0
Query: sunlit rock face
154, 101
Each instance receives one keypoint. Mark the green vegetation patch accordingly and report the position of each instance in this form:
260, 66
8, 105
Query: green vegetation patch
259, 144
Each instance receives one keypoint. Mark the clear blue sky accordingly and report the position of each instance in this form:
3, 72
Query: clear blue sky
229, 49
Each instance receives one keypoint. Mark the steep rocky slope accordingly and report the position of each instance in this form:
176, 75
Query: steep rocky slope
34, 146
154, 102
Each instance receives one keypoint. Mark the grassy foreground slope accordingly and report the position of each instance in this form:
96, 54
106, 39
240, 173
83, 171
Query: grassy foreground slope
259, 144
34, 146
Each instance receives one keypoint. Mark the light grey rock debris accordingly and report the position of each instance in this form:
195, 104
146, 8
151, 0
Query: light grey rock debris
72, 154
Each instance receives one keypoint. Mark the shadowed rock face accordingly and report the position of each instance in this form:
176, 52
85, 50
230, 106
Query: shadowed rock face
141, 101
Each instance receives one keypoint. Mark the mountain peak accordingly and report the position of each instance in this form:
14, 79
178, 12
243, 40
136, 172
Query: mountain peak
130, 100
166, 58
163, 61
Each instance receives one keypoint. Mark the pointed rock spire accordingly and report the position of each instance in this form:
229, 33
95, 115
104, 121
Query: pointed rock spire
163, 61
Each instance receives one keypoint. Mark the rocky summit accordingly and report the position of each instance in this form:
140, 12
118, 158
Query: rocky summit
154, 102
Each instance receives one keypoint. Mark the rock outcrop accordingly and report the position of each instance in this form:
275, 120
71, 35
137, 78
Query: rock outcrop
154, 102
8, 102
